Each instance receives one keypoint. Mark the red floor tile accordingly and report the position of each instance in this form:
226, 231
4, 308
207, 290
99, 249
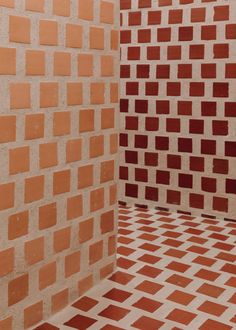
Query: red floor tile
179, 280
181, 297
172, 234
114, 312
229, 268
233, 299
148, 258
226, 256
85, 303
210, 290
150, 271
172, 242
117, 295
124, 240
147, 229
147, 304
231, 282
80, 322
125, 263
111, 327
175, 253
149, 247
121, 277
207, 275
198, 249
144, 323
125, 250
223, 246
204, 261
214, 325
212, 308
162, 281
178, 267
148, 237
149, 287
181, 316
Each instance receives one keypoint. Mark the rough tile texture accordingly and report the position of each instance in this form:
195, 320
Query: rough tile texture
58, 153
166, 291
178, 109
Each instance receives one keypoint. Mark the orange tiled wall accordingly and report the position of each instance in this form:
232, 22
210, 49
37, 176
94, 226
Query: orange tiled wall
178, 105
58, 146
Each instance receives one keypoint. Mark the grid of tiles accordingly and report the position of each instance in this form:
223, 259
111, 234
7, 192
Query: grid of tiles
58, 145
178, 109
174, 272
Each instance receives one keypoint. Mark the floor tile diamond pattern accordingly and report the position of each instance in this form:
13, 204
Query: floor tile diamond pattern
174, 272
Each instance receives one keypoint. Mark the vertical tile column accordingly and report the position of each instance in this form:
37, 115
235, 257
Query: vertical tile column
59, 68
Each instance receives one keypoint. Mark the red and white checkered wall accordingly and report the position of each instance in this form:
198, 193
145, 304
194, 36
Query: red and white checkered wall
178, 105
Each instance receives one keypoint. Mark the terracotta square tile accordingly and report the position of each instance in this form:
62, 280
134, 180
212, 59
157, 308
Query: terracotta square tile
175, 253
149, 287
150, 271
80, 322
124, 240
215, 228
218, 237
223, 246
178, 267
148, 258
197, 249
181, 297
144, 222
172, 234
179, 280
231, 282
226, 256
190, 224
197, 240
212, 308
211, 324
148, 237
125, 250
168, 226
172, 242
122, 231
232, 300
123, 224
111, 327
210, 290
181, 316
229, 268
85, 303
149, 247
147, 304
121, 277
204, 261
144, 323
194, 231
114, 312
125, 263
143, 215
207, 275
117, 295
147, 229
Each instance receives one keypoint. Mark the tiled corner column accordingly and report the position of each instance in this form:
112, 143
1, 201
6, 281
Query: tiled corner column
178, 105
59, 68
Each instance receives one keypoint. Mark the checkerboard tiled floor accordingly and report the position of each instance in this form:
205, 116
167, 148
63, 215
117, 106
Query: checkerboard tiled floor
174, 272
